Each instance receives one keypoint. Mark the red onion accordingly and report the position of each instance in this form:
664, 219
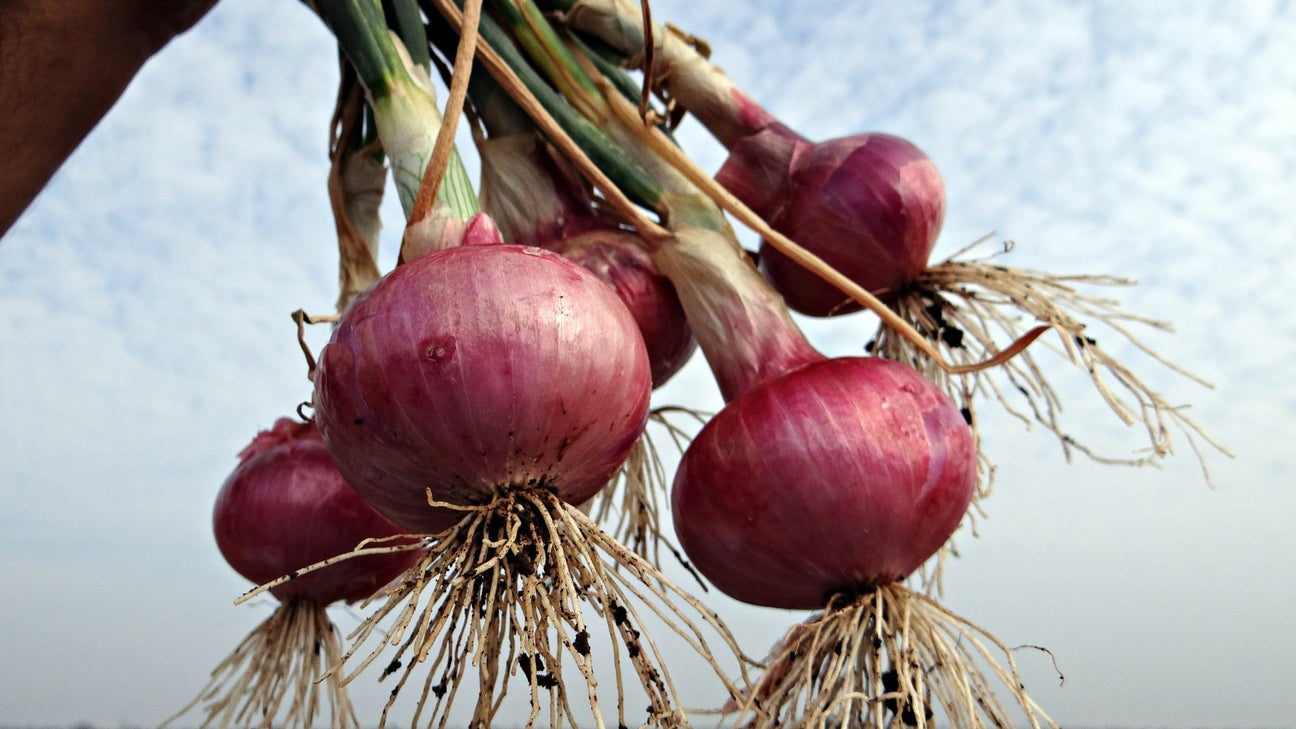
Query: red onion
870, 205
283, 509
475, 369
286, 506
818, 475
840, 475
538, 202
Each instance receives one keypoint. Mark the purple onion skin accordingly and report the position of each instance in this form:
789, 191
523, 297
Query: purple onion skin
619, 260
869, 205
840, 475
539, 202
475, 369
286, 506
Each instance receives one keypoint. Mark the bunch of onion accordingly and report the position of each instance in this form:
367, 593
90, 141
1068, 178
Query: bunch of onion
871, 207
286, 507
822, 484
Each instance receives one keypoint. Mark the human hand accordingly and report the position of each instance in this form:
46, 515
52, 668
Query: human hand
63, 65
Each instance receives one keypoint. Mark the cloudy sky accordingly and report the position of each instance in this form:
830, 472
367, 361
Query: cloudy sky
145, 301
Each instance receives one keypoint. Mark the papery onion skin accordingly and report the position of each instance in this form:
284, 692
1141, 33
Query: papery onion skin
538, 201
870, 205
842, 474
477, 369
621, 262
286, 506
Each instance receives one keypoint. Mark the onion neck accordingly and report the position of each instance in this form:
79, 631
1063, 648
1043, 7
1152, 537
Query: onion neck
708, 94
758, 170
740, 322
402, 99
408, 120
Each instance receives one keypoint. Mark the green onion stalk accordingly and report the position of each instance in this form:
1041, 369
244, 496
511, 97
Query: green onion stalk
408, 121
680, 65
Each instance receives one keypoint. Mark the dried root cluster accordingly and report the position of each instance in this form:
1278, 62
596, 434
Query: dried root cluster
890, 657
273, 678
966, 306
512, 597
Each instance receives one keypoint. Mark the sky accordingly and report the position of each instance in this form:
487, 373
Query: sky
145, 302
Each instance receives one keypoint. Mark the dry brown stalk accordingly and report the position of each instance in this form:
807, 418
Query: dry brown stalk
355, 188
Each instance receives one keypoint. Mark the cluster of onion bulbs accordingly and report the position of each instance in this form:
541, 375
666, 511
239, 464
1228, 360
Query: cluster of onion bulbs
475, 400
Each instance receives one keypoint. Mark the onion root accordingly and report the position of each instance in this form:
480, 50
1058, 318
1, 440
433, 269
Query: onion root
890, 657
278, 666
514, 590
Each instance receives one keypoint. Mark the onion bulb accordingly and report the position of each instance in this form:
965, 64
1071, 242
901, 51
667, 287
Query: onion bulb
477, 395
284, 508
834, 478
476, 369
287, 506
870, 205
